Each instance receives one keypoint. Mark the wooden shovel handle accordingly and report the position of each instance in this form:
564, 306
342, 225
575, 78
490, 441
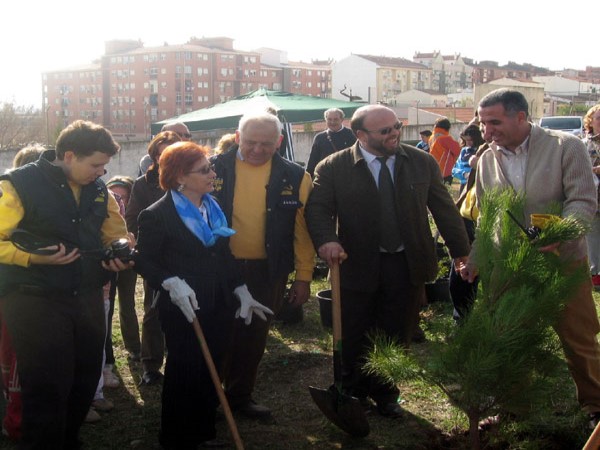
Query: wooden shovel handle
593, 443
336, 303
218, 387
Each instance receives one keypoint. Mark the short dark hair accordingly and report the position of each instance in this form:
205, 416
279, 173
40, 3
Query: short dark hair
83, 138
164, 137
443, 123
425, 133
513, 101
474, 133
176, 160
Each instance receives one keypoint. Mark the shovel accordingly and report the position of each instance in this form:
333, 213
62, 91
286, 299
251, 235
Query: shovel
342, 410
217, 382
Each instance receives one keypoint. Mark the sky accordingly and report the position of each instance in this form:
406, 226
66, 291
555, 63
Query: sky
65, 33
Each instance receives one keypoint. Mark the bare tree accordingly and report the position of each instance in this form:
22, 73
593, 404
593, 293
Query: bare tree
20, 125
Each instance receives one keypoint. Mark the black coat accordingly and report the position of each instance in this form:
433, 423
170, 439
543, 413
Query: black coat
167, 248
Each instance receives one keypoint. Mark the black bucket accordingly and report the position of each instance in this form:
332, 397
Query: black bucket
325, 307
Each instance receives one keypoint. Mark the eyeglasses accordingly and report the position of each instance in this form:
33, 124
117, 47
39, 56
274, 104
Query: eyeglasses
203, 170
386, 130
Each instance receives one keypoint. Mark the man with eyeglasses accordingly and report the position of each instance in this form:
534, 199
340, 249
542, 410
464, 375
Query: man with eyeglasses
263, 197
178, 127
368, 210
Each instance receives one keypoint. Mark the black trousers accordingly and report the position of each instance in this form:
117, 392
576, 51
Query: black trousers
392, 309
58, 341
124, 282
189, 399
247, 342
462, 292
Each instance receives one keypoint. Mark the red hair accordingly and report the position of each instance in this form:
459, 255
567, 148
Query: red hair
176, 160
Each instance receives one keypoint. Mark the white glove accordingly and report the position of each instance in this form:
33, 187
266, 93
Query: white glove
183, 296
249, 306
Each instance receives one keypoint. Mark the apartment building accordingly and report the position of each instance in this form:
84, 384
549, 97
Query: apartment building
377, 78
450, 73
132, 86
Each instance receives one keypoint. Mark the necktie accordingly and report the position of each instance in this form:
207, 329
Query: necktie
390, 233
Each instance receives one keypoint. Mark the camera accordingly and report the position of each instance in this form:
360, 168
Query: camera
119, 249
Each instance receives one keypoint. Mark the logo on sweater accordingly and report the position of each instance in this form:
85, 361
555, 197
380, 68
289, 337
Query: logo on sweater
218, 184
101, 198
287, 190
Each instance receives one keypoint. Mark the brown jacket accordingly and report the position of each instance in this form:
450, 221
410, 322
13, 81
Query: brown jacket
344, 191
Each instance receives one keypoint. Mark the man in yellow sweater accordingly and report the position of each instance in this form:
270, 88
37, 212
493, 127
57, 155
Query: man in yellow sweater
263, 197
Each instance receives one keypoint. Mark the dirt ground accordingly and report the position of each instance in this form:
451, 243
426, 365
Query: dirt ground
299, 356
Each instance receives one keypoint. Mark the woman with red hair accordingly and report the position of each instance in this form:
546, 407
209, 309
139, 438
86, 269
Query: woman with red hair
183, 253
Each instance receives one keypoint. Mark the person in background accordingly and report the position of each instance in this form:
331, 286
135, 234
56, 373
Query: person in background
548, 167
591, 123
183, 254
225, 143
263, 197
472, 140
423, 144
11, 423
146, 190
51, 297
444, 148
463, 292
336, 137
178, 127
369, 209
124, 283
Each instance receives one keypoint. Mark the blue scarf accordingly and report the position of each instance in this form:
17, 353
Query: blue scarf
194, 221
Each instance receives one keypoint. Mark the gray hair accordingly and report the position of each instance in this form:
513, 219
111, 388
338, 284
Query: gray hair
260, 117
334, 110
170, 125
513, 101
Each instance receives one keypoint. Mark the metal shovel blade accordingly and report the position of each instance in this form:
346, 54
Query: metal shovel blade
342, 410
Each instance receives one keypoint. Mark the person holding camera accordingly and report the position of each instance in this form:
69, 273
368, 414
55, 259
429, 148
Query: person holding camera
144, 192
183, 253
51, 297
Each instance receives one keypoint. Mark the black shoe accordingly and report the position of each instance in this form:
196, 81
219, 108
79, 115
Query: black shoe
151, 378
392, 410
133, 356
253, 410
366, 404
418, 336
594, 419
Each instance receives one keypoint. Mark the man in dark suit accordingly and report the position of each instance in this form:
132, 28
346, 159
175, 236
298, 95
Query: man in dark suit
336, 137
381, 224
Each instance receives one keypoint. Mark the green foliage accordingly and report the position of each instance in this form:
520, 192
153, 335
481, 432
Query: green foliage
502, 354
572, 110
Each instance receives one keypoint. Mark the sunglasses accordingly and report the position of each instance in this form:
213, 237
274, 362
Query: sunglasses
386, 130
203, 170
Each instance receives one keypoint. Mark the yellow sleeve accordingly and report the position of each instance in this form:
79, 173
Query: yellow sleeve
304, 252
113, 227
11, 214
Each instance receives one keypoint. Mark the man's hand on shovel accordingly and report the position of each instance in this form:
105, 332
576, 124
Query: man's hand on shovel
332, 252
